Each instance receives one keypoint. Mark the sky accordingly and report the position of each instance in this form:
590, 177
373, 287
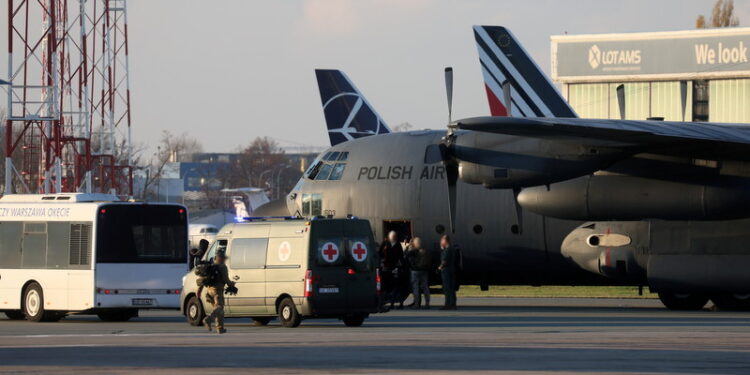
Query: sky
228, 71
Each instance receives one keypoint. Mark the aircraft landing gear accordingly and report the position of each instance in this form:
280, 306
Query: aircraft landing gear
683, 301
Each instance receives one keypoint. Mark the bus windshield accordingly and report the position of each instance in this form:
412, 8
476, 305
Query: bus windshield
140, 233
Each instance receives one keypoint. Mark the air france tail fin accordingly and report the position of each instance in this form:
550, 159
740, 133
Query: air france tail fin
512, 78
348, 114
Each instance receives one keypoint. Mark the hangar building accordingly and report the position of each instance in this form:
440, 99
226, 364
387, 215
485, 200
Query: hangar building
712, 62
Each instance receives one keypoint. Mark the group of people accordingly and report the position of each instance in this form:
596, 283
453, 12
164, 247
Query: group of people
405, 269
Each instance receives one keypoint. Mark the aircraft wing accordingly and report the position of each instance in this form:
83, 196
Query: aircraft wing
691, 139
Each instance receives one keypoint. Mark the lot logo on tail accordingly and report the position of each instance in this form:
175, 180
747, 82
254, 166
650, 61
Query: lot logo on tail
347, 112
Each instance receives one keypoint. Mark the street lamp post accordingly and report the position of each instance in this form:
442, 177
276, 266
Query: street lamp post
278, 177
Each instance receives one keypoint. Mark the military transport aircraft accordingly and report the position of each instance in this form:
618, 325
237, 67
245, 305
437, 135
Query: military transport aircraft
531, 200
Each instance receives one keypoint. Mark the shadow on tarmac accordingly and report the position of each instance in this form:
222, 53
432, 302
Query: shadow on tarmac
382, 357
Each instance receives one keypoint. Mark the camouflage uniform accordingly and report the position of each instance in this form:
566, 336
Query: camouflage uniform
215, 296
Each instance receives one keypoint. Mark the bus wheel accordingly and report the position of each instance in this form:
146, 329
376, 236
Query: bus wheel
683, 301
354, 320
15, 315
118, 316
732, 302
194, 312
288, 314
261, 321
33, 304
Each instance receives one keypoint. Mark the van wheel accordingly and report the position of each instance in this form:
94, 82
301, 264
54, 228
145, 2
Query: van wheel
354, 320
683, 301
118, 316
261, 321
288, 314
194, 312
15, 315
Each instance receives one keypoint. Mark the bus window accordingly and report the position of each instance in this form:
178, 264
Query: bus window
141, 234
10, 243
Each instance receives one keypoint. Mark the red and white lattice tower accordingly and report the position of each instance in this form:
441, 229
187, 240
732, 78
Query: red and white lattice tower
68, 125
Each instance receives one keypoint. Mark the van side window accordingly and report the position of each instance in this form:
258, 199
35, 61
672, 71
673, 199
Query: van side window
216, 246
248, 253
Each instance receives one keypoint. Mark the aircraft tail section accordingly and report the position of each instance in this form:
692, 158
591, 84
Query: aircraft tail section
513, 79
348, 114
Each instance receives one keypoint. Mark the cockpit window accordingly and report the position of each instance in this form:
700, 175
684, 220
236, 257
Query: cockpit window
337, 172
344, 155
314, 170
324, 172
334, 156
328, 155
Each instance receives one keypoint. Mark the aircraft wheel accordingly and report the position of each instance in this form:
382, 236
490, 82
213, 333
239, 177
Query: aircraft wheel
683, 301
732, 302
194, 312
15, 314
288, 314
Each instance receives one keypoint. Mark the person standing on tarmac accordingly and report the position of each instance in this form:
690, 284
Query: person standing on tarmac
197, 254
420, 260
215, 294
391, 255
447, 268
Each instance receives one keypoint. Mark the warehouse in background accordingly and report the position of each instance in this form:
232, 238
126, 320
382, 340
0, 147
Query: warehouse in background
712, 62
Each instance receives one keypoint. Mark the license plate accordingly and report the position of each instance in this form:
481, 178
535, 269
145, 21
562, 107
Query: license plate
328, 290
142, 302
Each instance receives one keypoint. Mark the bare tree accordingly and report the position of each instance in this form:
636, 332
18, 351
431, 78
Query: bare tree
171, 148
722, 15
257, 163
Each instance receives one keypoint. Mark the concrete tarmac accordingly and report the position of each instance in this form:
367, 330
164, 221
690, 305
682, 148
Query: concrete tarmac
486, 335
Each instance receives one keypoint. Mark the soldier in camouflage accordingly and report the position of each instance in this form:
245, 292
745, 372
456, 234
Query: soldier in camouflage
215, 293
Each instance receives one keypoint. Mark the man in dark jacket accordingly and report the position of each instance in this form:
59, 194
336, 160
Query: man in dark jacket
391, 256
420, 260
448, 266
197, 254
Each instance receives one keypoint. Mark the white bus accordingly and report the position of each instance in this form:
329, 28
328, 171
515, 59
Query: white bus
89, 254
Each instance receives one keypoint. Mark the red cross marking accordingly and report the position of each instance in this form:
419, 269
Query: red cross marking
360, 252
330, 252
284, 251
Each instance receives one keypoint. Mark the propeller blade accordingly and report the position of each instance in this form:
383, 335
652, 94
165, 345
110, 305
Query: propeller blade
683, 97
507, 97
449, 90
621, 100
433, 154
519, 210
451, 170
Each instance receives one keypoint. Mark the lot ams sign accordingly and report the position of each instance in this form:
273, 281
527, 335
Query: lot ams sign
616, 57
672, 55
